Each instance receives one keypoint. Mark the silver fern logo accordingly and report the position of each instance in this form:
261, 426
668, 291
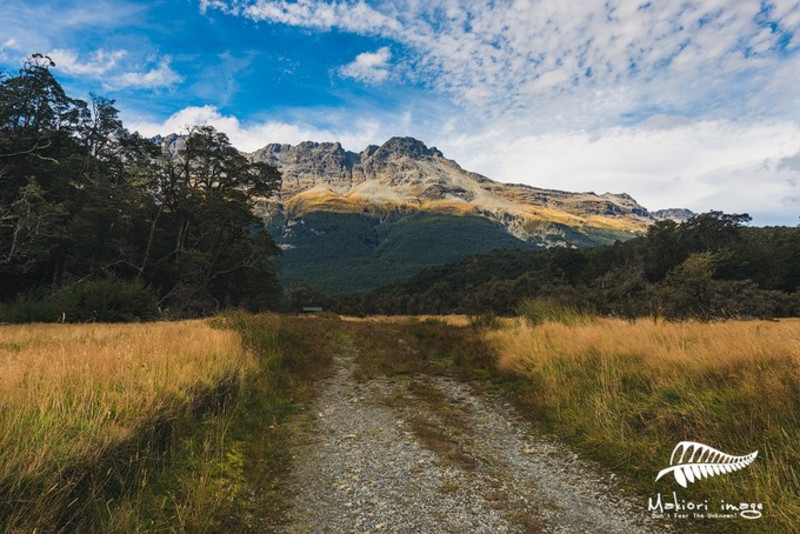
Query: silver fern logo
692, 461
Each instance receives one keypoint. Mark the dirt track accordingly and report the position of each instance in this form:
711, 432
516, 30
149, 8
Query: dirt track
419, 453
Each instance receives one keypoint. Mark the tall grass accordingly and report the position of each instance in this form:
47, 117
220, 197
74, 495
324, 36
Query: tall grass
628, 392
538, 311
84, 410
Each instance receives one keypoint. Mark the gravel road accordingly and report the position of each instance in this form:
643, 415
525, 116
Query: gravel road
428, 454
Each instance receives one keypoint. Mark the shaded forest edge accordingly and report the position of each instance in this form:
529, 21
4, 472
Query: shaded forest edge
710, 267
97, 223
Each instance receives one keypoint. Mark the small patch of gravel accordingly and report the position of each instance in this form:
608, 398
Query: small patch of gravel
358, 466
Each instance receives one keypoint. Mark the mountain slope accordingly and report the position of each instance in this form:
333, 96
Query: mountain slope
348, 252
351, 221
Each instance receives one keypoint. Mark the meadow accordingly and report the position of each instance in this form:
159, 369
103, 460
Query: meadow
82, 405
177, 426
141, 427
626, 392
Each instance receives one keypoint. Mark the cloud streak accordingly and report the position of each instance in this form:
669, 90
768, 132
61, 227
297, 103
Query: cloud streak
625, 58
161, 75
105, 65
97, 65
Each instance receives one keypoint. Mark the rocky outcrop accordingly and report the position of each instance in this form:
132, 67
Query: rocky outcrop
673, 214
405, 175
310, 164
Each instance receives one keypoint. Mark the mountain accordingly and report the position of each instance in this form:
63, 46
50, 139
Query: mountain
403, 175
352, 221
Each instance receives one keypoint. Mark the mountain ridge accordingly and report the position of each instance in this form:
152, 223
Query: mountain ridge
404, 175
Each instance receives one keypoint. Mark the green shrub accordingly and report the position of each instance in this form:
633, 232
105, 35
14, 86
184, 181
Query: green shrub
110, 300
538, 311
484, 321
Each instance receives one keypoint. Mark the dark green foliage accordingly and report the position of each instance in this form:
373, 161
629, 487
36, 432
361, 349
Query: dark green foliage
709, 267
81, 198
299, 296
109, 301
338, 253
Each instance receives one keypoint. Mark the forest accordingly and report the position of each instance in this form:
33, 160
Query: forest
712, 266
97, 223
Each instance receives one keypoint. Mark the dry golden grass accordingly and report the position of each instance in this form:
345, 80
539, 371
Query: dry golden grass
627, 392
72, 393
660, 344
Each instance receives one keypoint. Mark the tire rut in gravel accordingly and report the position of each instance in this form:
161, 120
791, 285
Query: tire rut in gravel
538, 482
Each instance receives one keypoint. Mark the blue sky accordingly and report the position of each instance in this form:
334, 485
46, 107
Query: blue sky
690, 103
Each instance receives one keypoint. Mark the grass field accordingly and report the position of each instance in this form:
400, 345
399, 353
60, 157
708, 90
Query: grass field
170, 426
627, 392
82, 406
142, 427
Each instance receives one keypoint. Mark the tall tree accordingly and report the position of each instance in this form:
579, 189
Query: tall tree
38, 171
205, 187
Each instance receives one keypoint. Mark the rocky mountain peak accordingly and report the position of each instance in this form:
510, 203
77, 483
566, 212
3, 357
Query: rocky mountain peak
310, 164
405, 146
329, 161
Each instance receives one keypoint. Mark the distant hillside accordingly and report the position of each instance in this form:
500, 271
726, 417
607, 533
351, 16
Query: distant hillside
707, 267
351, 221
339, 253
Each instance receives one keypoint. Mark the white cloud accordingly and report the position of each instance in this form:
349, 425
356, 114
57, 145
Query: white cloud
515, 56
161, 75
96, 65
350, 16
205, 5
8, 46
369, 67
252, 136
110, 66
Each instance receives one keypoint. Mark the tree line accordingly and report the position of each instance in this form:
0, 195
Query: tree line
712, 266
98, 223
